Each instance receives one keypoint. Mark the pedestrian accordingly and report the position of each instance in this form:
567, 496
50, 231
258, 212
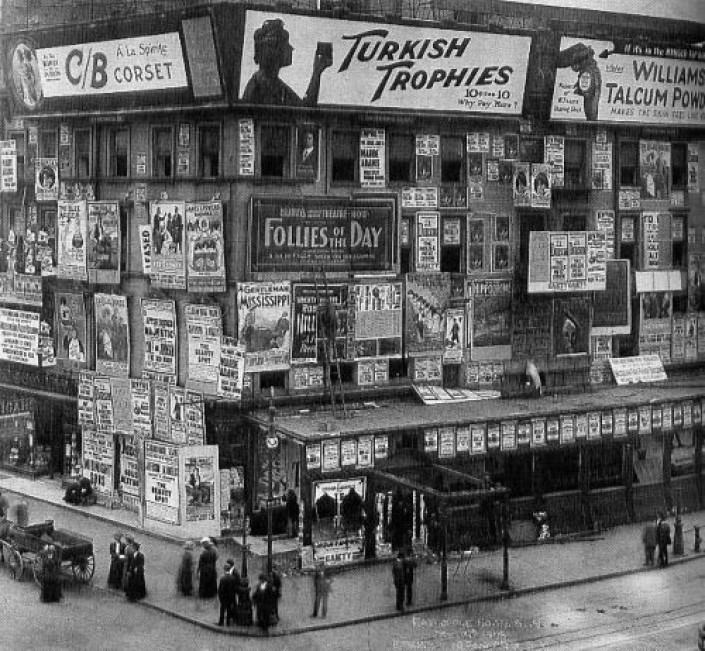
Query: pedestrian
227, 595
243, 610
4, 505
136, 588
398, 576
263, 600
321, 587
649, 539
184, 577
207, 573
129, 555
50, 582
409, 565
663, 539
117, 560
292, 514
275, 581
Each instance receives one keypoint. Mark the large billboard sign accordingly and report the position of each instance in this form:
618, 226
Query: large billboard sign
353, 63
310, 234
627, 82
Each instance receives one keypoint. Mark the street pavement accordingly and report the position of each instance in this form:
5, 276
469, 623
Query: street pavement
361, 594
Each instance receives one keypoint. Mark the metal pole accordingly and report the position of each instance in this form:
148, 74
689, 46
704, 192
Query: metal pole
272, 433
444, 560
505, 546
245, 523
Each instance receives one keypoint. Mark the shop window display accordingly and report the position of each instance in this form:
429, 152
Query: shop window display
18, 448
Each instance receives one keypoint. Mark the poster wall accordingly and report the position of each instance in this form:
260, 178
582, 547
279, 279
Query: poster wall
168, 268
204, 329
427, 298
72, 233
626, 82
161, 481
374, 320
310, 329
205, 246
70, 329
159, 320
98, 455
112, 339
264, 324
103, 255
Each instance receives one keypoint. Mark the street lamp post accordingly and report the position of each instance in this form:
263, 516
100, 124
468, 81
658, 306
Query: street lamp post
444, 558
245, 524
272, 444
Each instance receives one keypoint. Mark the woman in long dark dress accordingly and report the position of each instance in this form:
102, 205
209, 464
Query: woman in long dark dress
207, 573
51, 579
184, 578
117, 559
135, 577
243, 610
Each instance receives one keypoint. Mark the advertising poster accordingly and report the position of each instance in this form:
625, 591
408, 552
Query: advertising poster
321, 233
204, 328
19, 336
246, 149
454, 336
161, 481
307, 148
86, 399
140, 392
462, 438
381, 446
331, 455
373, 158
427, 298
72, 231
489, 327
168, 260
195, 418
320, 319
693, 172
70, 329
46, 179
419, 197
98, 454
571, 326
313, 456
427, 369
604, 222
121, 397
8, 166
657, 252
145, 231
428, 248
353, 56
478, 443
159, 320
540, 185
601, 165
655, 324
451, 231
200, 479
348, 452
554, 156
231, 371
375, 320
430, 440
105, 416
177, 414
112, 339
264, 325
162, 417
205, 260
655, 167
103, 256
476, 243
625, 82
446, 442
521, 184
129, 473
364, 452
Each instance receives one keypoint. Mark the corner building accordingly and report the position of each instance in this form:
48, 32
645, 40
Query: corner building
381, 226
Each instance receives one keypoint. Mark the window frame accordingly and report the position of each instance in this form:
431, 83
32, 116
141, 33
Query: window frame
462, 177
391, 138
628, 169
354, 137
112, 157
76, 167
287, 160
44, 135
154, 129
200, 129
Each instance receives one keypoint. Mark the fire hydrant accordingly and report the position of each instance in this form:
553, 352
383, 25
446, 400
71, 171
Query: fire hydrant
678, 536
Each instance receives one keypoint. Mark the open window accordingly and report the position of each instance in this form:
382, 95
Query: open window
162, 152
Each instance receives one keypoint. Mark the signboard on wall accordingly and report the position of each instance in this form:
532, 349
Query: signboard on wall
19, 336
428, 241
627, 82
386, 66
161, 481
309, 234
200, 477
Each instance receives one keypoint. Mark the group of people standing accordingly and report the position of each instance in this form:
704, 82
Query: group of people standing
127, 567
656, 534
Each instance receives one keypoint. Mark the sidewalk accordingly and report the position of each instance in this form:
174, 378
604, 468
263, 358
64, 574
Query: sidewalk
364, 593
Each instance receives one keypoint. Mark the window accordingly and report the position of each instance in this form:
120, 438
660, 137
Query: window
344, 150
18, 137
275, 151
574, 221
209, 150
629, 163
162, 151
626, 239
531, 150
679, 164
450, 244
118, 155
452, 159
574, 162
679, 227
402, 156
82, 152
488, 243
47, 144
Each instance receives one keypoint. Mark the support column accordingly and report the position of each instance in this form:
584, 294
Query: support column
698, 453
628, 479
666, 469
584, 485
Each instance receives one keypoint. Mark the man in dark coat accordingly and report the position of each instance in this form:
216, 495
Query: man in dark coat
351, 510
136, 589
207, 573
129, 556
409, 565
51, 575
227, 595
117, 560
243, 612
649, 538
184, 578
264, 599
398, 577
663, 538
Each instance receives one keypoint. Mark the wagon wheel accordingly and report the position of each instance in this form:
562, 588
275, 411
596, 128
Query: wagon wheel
14, 559
38, 569
83, 568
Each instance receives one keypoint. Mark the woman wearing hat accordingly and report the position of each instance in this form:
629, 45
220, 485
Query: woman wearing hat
207, 573
135, 578
243, 609
117, 558
184, 578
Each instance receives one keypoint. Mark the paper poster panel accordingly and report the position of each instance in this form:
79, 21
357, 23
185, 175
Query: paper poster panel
264, 318
427, 298
307, 148
112, 338
129, 473
655, 168
70, 329
103, 255
140, 392
571, 327
320, 319
205, 246
72, 231
19, 336
540, 185
159, 321
490, 325
231, 371
46, 179
521, 184
177, 414
204, 328
375, 320
365, 457
246, 149
168, 259
626, 82
97, 455
86, 398
373, 158
161, 481
8, 166
162, 417
145, 231
355, 56
428, 243
454, 341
